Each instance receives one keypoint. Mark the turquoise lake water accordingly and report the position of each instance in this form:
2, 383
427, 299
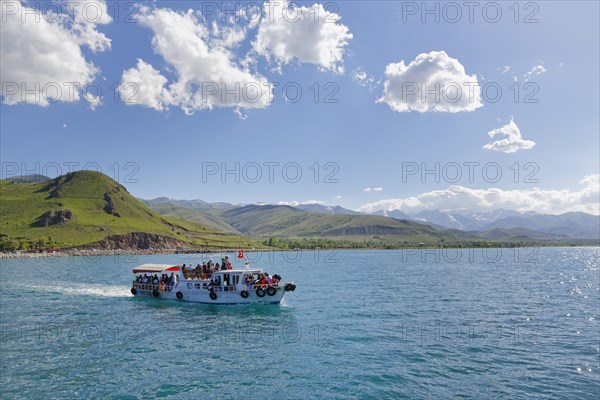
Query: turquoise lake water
493, 323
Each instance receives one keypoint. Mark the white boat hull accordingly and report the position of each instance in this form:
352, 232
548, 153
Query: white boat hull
194, 292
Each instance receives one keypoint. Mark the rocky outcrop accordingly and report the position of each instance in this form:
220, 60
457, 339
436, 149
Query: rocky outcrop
55, 185
50, 218
138, 241
109, 208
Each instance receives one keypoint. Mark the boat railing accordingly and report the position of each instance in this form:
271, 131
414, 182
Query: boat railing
255, 286
152, 286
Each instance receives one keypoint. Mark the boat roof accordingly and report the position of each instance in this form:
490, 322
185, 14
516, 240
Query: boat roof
155, 268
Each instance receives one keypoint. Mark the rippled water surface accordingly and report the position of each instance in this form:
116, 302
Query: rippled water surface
361, 324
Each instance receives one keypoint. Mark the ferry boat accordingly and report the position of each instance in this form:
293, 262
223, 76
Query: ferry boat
231, 286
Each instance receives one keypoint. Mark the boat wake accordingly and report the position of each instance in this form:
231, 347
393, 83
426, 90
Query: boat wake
88, 290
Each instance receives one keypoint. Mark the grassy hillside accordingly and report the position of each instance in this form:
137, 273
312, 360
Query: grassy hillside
85, 207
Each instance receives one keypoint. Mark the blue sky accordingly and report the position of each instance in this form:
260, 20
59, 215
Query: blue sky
355, 141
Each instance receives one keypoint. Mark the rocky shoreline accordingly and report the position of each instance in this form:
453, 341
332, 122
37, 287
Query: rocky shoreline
113, 252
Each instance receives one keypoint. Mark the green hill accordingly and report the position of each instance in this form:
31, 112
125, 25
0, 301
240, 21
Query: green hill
89, 208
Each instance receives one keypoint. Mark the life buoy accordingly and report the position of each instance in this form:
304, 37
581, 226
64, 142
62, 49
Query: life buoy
213, 295
155, 293
244, 294
133, 291
271, 291
260, 292
289, 287
179, 295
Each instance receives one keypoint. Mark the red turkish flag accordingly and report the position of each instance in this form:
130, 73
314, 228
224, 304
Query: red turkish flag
241, 254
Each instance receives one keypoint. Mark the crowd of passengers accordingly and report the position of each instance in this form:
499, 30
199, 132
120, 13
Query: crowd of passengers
263, 280
164, 282
205, 270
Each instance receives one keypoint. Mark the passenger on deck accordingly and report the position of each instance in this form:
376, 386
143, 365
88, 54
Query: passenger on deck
262, 281
197, 271
184, 270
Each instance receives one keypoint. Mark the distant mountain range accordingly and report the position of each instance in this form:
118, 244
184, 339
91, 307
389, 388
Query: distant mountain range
286, 221
498, 224
193, 204
319, 208
27, 178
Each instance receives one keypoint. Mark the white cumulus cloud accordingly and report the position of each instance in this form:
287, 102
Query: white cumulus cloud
207, 73
512, 143
431, 82
145, 86
42, 59
307, 34
551, 201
